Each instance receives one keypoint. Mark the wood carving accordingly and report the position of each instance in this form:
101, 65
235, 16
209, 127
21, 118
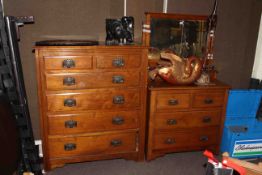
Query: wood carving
181, 71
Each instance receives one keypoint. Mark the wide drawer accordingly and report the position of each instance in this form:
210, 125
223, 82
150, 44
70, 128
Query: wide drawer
208, 99
92, 145
171, 100
118, 61
94, 99
181, 120
188, 138
91, 80
92, 122
68, 62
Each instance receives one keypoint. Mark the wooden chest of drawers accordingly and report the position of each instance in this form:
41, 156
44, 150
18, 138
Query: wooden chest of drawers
92, 101
185, 118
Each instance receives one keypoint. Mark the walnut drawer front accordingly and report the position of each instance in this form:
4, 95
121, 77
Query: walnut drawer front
187, 138
208, 99
183, 120
94, 99
68, 62
68, 81
92, 145
171, 100
119, 61
92, 122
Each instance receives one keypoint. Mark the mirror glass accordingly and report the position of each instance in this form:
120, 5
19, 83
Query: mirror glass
185, 37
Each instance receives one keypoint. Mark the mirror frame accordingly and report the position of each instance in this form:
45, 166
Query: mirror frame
149, 15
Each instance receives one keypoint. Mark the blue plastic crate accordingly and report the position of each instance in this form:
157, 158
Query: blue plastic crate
243, 103
239, 121
240, 142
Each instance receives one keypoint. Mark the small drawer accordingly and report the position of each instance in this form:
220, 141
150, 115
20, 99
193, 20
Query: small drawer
192, 138
92, 145
94, 99
68, 62
172, 101
91, 80
215, 99
181, 120
92, 122
124, 61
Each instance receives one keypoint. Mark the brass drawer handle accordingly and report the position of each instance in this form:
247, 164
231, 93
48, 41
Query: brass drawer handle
118, 62
69, 81
70, 124
119, 99
70, 102
69, 146
206, 119
68, 63
170, 141
173, 102
116, 143
118, 79
171, 122
118, 120
203, 138
208, 101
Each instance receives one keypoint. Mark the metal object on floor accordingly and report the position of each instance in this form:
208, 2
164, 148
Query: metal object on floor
12, 84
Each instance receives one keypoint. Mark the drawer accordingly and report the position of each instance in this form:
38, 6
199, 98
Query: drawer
94, 99
188, 138
113, 61
182, 120
92, 145
91, 80
172, 101
92, 122
68, 62
215, 99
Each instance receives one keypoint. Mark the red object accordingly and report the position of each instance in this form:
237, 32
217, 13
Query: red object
225, 163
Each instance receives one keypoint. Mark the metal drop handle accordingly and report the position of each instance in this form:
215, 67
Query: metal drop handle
119, 99
70, 102
68, 63
118, 120
208, 101
203, 138
118, 62
71, 124
69, 146
116, 143
118, 79
69, 81
206, 119
171, 122
173, 102
170, 141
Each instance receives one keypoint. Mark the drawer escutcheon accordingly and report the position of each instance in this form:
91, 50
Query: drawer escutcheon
116, 143
208, 101
171, 122
118, 120
118, 62
69, 81
170, 141
118, 79
68, 63
203, 138
71, 124
119, 99
69, 146
70, 102
173, 102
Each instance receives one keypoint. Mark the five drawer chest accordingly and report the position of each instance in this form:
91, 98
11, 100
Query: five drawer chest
92, 102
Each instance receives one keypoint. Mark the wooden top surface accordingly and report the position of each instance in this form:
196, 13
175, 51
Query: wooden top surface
161, 85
